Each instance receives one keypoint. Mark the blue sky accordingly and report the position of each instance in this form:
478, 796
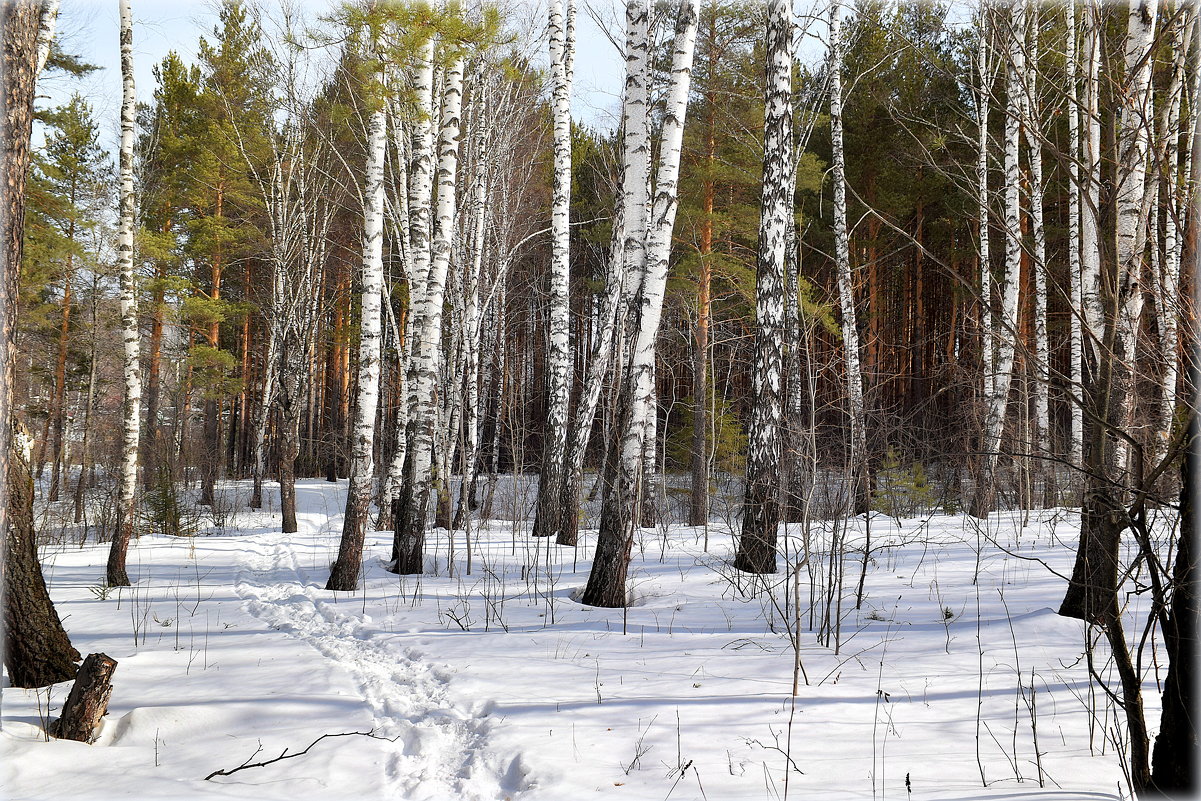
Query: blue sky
89, 29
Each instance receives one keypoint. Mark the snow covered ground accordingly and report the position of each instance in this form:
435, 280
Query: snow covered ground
493, 683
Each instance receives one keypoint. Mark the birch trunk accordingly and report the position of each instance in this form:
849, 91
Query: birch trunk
37, 651
423, 371
399, 219
860, 488
559, 360
1032, 127
761, 503
1090, 222
421, 181
1132, 212
606, 582
1092, 593
471, 317
998, 401
266, 397
127, 490
1076, 289
983, 199
344, 574
1169, 301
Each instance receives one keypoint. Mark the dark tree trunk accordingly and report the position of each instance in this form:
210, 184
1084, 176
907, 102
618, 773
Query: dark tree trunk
37, 651
289, 450
1174, 759
344, 575
213, 450
87, 702
607, 581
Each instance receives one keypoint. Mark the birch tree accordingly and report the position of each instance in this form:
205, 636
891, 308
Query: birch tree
559, 358
132, 404
427, 340
1092, 593
997, 402
345, 571
761, 504
1075, 278
1090, 249
1032, 129
37, 650
606, 582
983, 197
1176, 210
860, 481
472, 277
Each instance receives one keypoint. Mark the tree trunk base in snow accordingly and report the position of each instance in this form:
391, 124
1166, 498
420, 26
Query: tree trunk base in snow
87, 702
408, 544
1174, 757
37, 650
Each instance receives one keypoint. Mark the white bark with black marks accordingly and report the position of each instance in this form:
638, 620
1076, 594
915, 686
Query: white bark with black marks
998, 401
559, 357
1032, 127
344, 575
1076, 291
606, 583
761, 501
131, 335
427, 340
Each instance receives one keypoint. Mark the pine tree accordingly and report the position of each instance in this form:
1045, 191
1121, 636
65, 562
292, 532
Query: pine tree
72, 171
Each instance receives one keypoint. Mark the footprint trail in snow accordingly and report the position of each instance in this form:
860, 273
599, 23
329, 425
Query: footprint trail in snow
440, 751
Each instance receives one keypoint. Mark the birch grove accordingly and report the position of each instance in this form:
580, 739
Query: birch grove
512, 332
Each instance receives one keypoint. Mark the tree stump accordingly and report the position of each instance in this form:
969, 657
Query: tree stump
87, 701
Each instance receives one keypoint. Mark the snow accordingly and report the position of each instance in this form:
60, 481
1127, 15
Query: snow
498, 685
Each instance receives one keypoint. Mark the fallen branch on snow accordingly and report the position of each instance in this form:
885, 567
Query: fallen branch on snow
247, 765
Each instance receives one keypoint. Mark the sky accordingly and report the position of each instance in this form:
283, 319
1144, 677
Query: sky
89, 28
